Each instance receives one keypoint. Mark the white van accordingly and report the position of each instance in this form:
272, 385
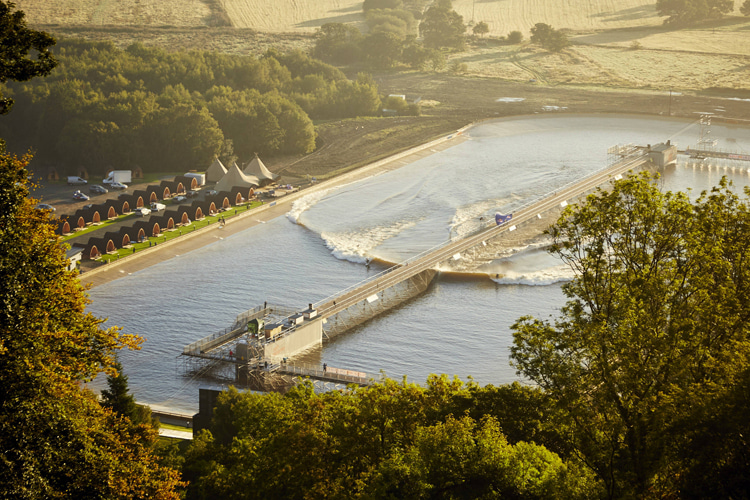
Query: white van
157, 207
74, 180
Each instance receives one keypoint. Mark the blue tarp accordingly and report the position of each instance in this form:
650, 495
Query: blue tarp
502, 219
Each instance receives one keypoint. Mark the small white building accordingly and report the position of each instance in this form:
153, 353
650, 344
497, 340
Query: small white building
73, 254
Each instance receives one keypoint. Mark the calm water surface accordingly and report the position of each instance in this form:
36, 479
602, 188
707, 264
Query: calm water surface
459, 326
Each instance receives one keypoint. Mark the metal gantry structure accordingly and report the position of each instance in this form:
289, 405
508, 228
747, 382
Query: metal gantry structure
238, 355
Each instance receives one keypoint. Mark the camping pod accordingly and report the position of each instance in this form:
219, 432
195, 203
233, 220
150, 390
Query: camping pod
240, 195
121, 205
116, 240
155, 193
63, 226
199, 209
138, 198
150, 227
166, 222
170, 189
97, 213
188, 183
96, 247
79, 219
134, 234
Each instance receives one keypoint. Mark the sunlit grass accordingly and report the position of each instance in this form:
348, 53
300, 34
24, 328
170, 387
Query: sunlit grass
177, 232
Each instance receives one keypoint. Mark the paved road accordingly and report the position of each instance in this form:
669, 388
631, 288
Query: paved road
431, 260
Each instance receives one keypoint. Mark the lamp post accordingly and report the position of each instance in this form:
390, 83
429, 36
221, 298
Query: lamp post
669, 112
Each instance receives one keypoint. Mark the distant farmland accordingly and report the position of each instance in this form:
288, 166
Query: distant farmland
307, 15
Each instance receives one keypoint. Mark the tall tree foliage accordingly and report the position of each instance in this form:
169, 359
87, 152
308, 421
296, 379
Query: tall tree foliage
690, 11
55, 439
108, 108
655, 331
548, 37
442, 26
24, 53
390, 440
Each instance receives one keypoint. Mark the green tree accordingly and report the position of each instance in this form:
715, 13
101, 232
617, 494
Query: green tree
657, 320
389, 440
465, 459
548, 37
337, 43
117, 398
690, 11
481, 28
17, 41
56, 441
515, 37
443, 27
180, 137
382, 49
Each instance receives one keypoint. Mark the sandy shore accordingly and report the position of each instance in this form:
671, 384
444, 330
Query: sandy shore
209, 234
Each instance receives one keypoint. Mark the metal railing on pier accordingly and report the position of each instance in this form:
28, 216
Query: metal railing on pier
328, 373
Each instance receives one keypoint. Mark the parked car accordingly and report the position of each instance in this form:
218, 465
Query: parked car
192, 193
44, 206
211, 192
118, 185
178, 199
87, 206
97, 189
157, 207
143, 211
80, 196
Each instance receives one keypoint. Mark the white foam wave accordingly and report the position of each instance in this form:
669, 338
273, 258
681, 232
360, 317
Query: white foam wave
510, 99
466, 220
305, 203
356, 246
541, 277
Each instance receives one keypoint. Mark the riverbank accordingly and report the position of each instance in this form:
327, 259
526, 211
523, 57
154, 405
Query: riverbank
260, 215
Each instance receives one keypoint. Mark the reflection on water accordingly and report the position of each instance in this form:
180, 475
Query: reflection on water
459, 327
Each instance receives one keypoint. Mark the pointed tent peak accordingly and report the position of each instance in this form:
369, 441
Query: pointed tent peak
216, 171
235, 178
258, 169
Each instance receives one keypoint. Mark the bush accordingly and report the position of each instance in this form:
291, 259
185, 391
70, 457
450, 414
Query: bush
458, 67
515, 37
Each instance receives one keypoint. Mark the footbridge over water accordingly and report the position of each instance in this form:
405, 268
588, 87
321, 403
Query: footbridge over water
265, 339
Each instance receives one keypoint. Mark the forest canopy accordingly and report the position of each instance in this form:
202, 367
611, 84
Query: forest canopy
107, 108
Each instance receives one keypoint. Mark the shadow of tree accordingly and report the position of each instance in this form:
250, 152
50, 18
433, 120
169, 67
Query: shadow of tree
354, 16
632, 14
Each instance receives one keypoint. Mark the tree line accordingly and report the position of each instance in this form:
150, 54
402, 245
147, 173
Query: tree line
393, 26
107, 108
641, 383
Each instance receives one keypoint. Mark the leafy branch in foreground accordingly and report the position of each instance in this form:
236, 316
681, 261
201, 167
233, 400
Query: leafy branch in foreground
647, 354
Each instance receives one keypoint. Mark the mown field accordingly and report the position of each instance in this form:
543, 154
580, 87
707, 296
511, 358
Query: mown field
502, 16
653, 57
616, 43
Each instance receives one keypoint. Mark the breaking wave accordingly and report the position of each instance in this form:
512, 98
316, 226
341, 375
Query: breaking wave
305, 203
357, 246
529, 266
